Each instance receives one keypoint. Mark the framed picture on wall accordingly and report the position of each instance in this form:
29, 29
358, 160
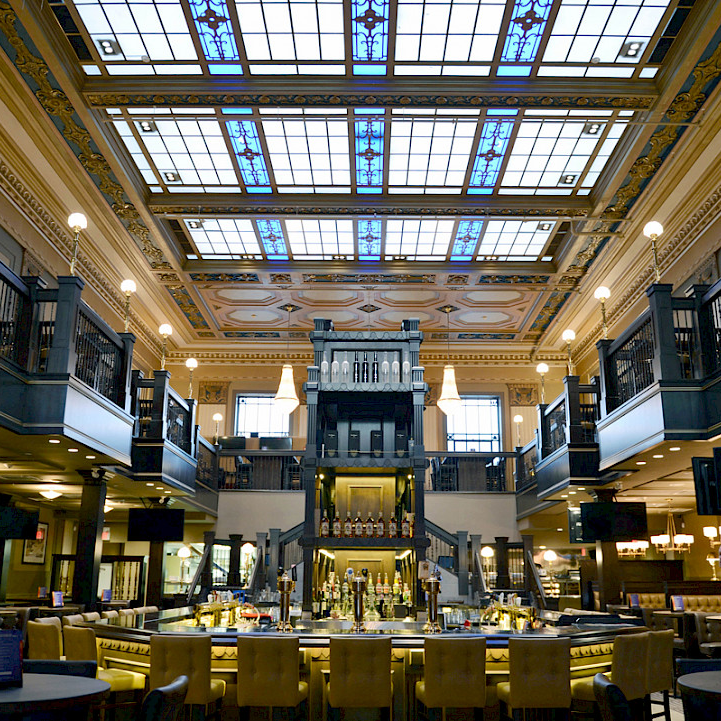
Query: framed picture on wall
34, 549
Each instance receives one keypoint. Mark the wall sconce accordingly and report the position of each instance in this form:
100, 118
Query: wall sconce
217, 417
652, 230
602, 294
518, 419
191, 364
569, 336
542, 369
78, 222
128, 287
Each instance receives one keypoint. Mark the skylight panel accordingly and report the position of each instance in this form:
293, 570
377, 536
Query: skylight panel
491, 151
308, 152
369, 152
603, 31
370, 30
314, 238
449, 30
246, 144
212, 21
464, 244
369, 239
271, 235
418, 239
504, 238
153, 30
525, 30
233, 237
429, 152
292, 29
604, 153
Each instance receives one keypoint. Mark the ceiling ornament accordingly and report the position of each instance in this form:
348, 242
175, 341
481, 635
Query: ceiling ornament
555, 300
186, 304
251, 334
374, 278
224, 277
168, 277
56, 103
513, 279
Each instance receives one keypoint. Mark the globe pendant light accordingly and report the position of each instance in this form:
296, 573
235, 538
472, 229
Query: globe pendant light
450, 401
286, 399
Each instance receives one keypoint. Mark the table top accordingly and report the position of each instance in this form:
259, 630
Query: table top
47, 691
707, 682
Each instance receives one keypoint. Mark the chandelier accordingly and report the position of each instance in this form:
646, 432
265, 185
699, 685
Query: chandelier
672, 541
632, 549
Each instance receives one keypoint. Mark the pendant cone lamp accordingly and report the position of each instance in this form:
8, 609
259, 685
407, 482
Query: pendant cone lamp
449, 401
286, 399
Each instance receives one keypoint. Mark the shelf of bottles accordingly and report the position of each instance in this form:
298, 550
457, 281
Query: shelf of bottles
363, 370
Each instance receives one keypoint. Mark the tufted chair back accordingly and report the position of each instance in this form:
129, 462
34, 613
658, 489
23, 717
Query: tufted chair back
72, 619
80, 644
182, 655
268, 671
540, 672
710, 604
659, 669
454, 672
630, 654
652, 600
360, 672
45, 640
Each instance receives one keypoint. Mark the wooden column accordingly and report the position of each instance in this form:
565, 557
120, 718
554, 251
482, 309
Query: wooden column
236, 543
274, 558
503, 578
607, 569
156, 574
462, 562
666, 364
206, 575
62, 356
89, 548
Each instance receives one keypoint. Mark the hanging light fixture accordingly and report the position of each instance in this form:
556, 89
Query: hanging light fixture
569, 336
652, 230
602, 294
542, 369
286, 399
450, 401
128, 287
78, 222
672, 541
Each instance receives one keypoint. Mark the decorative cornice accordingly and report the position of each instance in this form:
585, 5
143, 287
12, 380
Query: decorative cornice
365, 278
116, 100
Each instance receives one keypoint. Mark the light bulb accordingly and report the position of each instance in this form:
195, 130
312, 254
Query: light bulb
518, 419
449, 402
487, 552
165, 330
542, 368
602, 293
107, 508
652, 229
183, 552
568, 335
50, 495
191, 364
128, 286
549, 556
217, 417
78, 222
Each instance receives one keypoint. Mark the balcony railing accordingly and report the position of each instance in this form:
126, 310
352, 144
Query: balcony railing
526, 466
470, 472
257, 470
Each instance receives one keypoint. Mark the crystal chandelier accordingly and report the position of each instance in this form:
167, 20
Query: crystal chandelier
672, 541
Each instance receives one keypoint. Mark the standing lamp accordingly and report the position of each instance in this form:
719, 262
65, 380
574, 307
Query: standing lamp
128, 287
449, 401
78, 222
652, 230
191, 364
542, 369
602, 294
569, 336
217, 417
286, 399
518, 419
165, 330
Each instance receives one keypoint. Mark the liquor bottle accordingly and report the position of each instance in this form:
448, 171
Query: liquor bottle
379, 588
380, 526
397, 588
348, 526
364, 371
345, 369
358, 526
385, 369
324, 371
356, 369
337, 526
334, 369
374, 369
412, 525
386, 587
406, 372
393, 527
324, 525
395, 371
405, 527
370, 526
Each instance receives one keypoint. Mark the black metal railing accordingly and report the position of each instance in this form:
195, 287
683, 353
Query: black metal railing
178, 419
443, 547
14, 312
556, 420
686, 341
207, 471
45, 312
99, 359
714, 350
458, 471
240, 470
291, 552
526, 466
589, 414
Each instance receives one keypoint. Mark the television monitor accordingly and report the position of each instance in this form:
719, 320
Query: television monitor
155, 524
706, 483
613, 522
17, 523
575, 530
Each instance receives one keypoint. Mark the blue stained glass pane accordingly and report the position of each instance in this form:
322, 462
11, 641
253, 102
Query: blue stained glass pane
225, 69
271, 235
246, 144
525, 30
370, 31
520, 71
369, 239
369, 152
214, 28
370, 69
491, 149
466, 239
238, 111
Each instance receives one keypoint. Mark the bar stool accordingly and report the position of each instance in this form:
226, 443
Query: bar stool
109, 614
45, 640
126, 612
360, 674
268, 674
454, 674
659, 671
539, 676
71, 619
91, 616
186, 655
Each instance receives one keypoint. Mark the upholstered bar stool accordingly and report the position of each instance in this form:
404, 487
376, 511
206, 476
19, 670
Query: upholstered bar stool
360, 674
659, 671
91, 616
45, 640
126, 612
454, 674
71, 619
109, 614
174, 655
539, 676
268, 673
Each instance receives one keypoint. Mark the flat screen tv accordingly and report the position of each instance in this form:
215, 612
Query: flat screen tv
575, 530
706, 483
155, 524
17, 523
613, 522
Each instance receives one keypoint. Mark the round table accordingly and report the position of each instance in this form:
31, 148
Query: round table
49, 692
701, 694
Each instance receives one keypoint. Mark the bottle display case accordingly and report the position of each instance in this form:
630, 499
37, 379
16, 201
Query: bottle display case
364, 468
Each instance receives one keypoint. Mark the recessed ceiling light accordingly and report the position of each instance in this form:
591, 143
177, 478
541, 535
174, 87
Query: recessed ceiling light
640, 463
148, 126
559, 529
568, 179
50, 495
90, 458
399, 257
581, 488
542, 547
675, 448
168, 491
72, 450
564, 496
53, 440
631, 49
544, 226
572, 493
159, 488
195, 224
171, 177
658, 455
592, 128
150, 483
108, 46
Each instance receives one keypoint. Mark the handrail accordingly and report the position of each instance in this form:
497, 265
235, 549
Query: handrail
478, 567
198, 571
629, 332
441, 534
550, 407
255, 574
13, 280
102, 324
292, 534
536, 579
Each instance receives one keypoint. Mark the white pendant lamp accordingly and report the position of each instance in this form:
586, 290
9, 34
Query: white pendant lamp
450, 401
286, 399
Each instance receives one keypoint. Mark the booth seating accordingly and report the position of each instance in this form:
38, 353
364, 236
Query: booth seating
705, 632
708, 604
145, 609
126, 612
45, 639
612, 704
649, 600
268, 674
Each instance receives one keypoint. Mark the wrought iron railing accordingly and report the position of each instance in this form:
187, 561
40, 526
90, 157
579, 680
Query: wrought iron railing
443, 547
686, 341
45, 312
477, 472
14, 310
240, 470
714, 349
178, 418
291, 552
526, 466
556, 420
207, 472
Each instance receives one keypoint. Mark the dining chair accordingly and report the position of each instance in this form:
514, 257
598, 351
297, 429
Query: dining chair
45, 640
165, 703
612, 704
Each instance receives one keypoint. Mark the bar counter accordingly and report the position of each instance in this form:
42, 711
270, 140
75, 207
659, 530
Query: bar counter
125, 643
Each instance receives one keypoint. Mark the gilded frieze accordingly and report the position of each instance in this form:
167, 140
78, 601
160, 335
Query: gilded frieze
225, 277
369, 278
185, 302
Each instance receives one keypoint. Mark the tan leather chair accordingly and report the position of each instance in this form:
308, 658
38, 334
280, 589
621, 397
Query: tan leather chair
109, 614
454, 674
91, 616
539, 675
174, 655
360, 674
81, 645
45, 640
659, 671
268, 673
72, 619
126, 612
